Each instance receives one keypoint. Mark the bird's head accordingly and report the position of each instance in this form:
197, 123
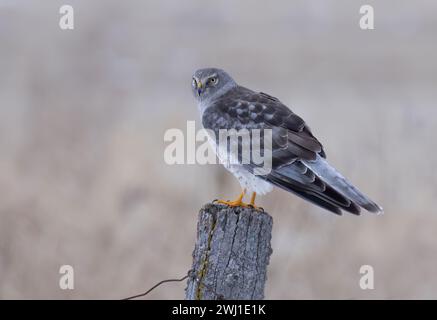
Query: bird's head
210, 82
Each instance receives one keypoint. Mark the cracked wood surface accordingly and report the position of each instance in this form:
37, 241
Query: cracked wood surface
231, 254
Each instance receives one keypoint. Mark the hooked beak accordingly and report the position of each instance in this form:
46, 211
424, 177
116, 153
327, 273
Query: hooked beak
199, 88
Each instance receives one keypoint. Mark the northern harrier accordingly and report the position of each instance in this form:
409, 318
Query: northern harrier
298, 160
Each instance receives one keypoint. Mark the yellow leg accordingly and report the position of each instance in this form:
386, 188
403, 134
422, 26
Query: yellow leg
252, 199
252, 202
236, 203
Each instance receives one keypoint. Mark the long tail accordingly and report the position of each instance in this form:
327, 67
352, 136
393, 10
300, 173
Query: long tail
334, 179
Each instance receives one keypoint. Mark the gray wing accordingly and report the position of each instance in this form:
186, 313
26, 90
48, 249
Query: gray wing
298, 165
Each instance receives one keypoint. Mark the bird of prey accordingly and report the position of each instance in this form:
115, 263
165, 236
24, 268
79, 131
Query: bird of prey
299, 162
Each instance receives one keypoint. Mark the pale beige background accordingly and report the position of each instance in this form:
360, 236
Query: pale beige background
83, 114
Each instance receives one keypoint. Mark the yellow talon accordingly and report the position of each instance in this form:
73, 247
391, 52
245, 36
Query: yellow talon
236, 203
239, 202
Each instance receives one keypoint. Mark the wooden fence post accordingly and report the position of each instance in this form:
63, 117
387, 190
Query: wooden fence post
231, 254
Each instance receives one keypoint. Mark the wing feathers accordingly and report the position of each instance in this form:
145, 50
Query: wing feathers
332, 177
330, 200
305, 141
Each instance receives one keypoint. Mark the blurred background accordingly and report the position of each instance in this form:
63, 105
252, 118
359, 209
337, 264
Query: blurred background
83, 114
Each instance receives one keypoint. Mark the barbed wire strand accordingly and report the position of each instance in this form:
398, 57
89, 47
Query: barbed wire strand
190, 274
157, 285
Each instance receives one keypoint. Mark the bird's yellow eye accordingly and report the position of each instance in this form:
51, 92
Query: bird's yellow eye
212, 80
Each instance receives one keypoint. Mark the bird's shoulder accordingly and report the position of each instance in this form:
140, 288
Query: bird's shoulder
243, 108
247, 106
